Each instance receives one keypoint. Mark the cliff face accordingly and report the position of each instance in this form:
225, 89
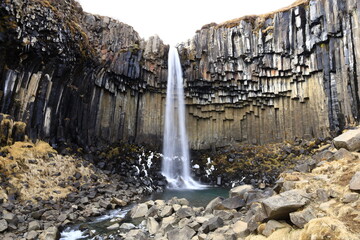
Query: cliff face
73, 76
274, 77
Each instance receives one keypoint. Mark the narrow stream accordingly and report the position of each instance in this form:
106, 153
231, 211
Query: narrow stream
197, 198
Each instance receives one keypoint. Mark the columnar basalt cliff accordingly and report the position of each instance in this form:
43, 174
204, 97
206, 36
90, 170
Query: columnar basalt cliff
268, 78
73, 76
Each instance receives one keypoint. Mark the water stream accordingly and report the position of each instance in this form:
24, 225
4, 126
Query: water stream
176, 159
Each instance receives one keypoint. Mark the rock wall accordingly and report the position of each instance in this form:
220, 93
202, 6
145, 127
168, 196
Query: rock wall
268, 78
73, 76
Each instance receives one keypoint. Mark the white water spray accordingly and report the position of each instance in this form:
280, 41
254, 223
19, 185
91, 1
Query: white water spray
176, 159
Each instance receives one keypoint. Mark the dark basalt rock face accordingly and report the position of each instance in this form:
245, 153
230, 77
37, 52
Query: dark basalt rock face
72, 76
76, 77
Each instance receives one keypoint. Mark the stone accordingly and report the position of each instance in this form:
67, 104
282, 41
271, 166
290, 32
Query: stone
10, 217
212, 224
166, 211
184, 233
271, 226
355, 182
3, 225
231, 203
136, 234
118, 202
139, 210
300, 218
212, 204
349, 140
152, 212
127, 226
185, 212
241, 229
342, 154
350, 197
34, 225
194, 225
240, 191
51, 233
152, 225
32, 235
183, 222
279, 206
113, 226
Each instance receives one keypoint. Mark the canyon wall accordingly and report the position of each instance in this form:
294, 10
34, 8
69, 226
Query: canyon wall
76, 77
259, 79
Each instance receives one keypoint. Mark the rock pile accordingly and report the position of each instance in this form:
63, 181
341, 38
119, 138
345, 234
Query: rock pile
323, 203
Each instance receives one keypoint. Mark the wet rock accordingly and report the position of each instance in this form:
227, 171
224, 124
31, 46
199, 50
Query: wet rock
118, 202
127, 226
279, 206
349, 140
113, 226
51, 233
355, 182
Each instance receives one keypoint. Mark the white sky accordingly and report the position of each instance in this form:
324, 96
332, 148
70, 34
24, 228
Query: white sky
177, 21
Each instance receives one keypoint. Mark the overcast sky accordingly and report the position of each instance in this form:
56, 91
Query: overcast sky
177, 21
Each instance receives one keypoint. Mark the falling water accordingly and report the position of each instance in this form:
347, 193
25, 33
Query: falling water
176, 160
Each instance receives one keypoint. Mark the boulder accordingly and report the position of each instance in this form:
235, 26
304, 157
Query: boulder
279, 206
230, 203
271, 226
127, 226
349, 140
113, 226
139, 210
240, 229
118, 202
32, 235
185, 212
152, 225
166, 211
135, 234
300, 218
355, 182
212, 204
10, 217
240, 191
184, 233
212, 224
51, 233
350, 197
34, 225
344, 154
3, 225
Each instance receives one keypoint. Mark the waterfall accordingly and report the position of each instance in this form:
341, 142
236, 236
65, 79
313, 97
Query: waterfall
176, 159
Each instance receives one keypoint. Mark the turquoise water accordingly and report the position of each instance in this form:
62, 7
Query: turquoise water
197, 198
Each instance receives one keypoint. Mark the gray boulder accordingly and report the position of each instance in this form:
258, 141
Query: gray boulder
230, 203
279, 206
212, 224
301, 218
185, 212
355, 182
184, 233
271, 226
212, 204
349, 140
34, 225
3, 225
